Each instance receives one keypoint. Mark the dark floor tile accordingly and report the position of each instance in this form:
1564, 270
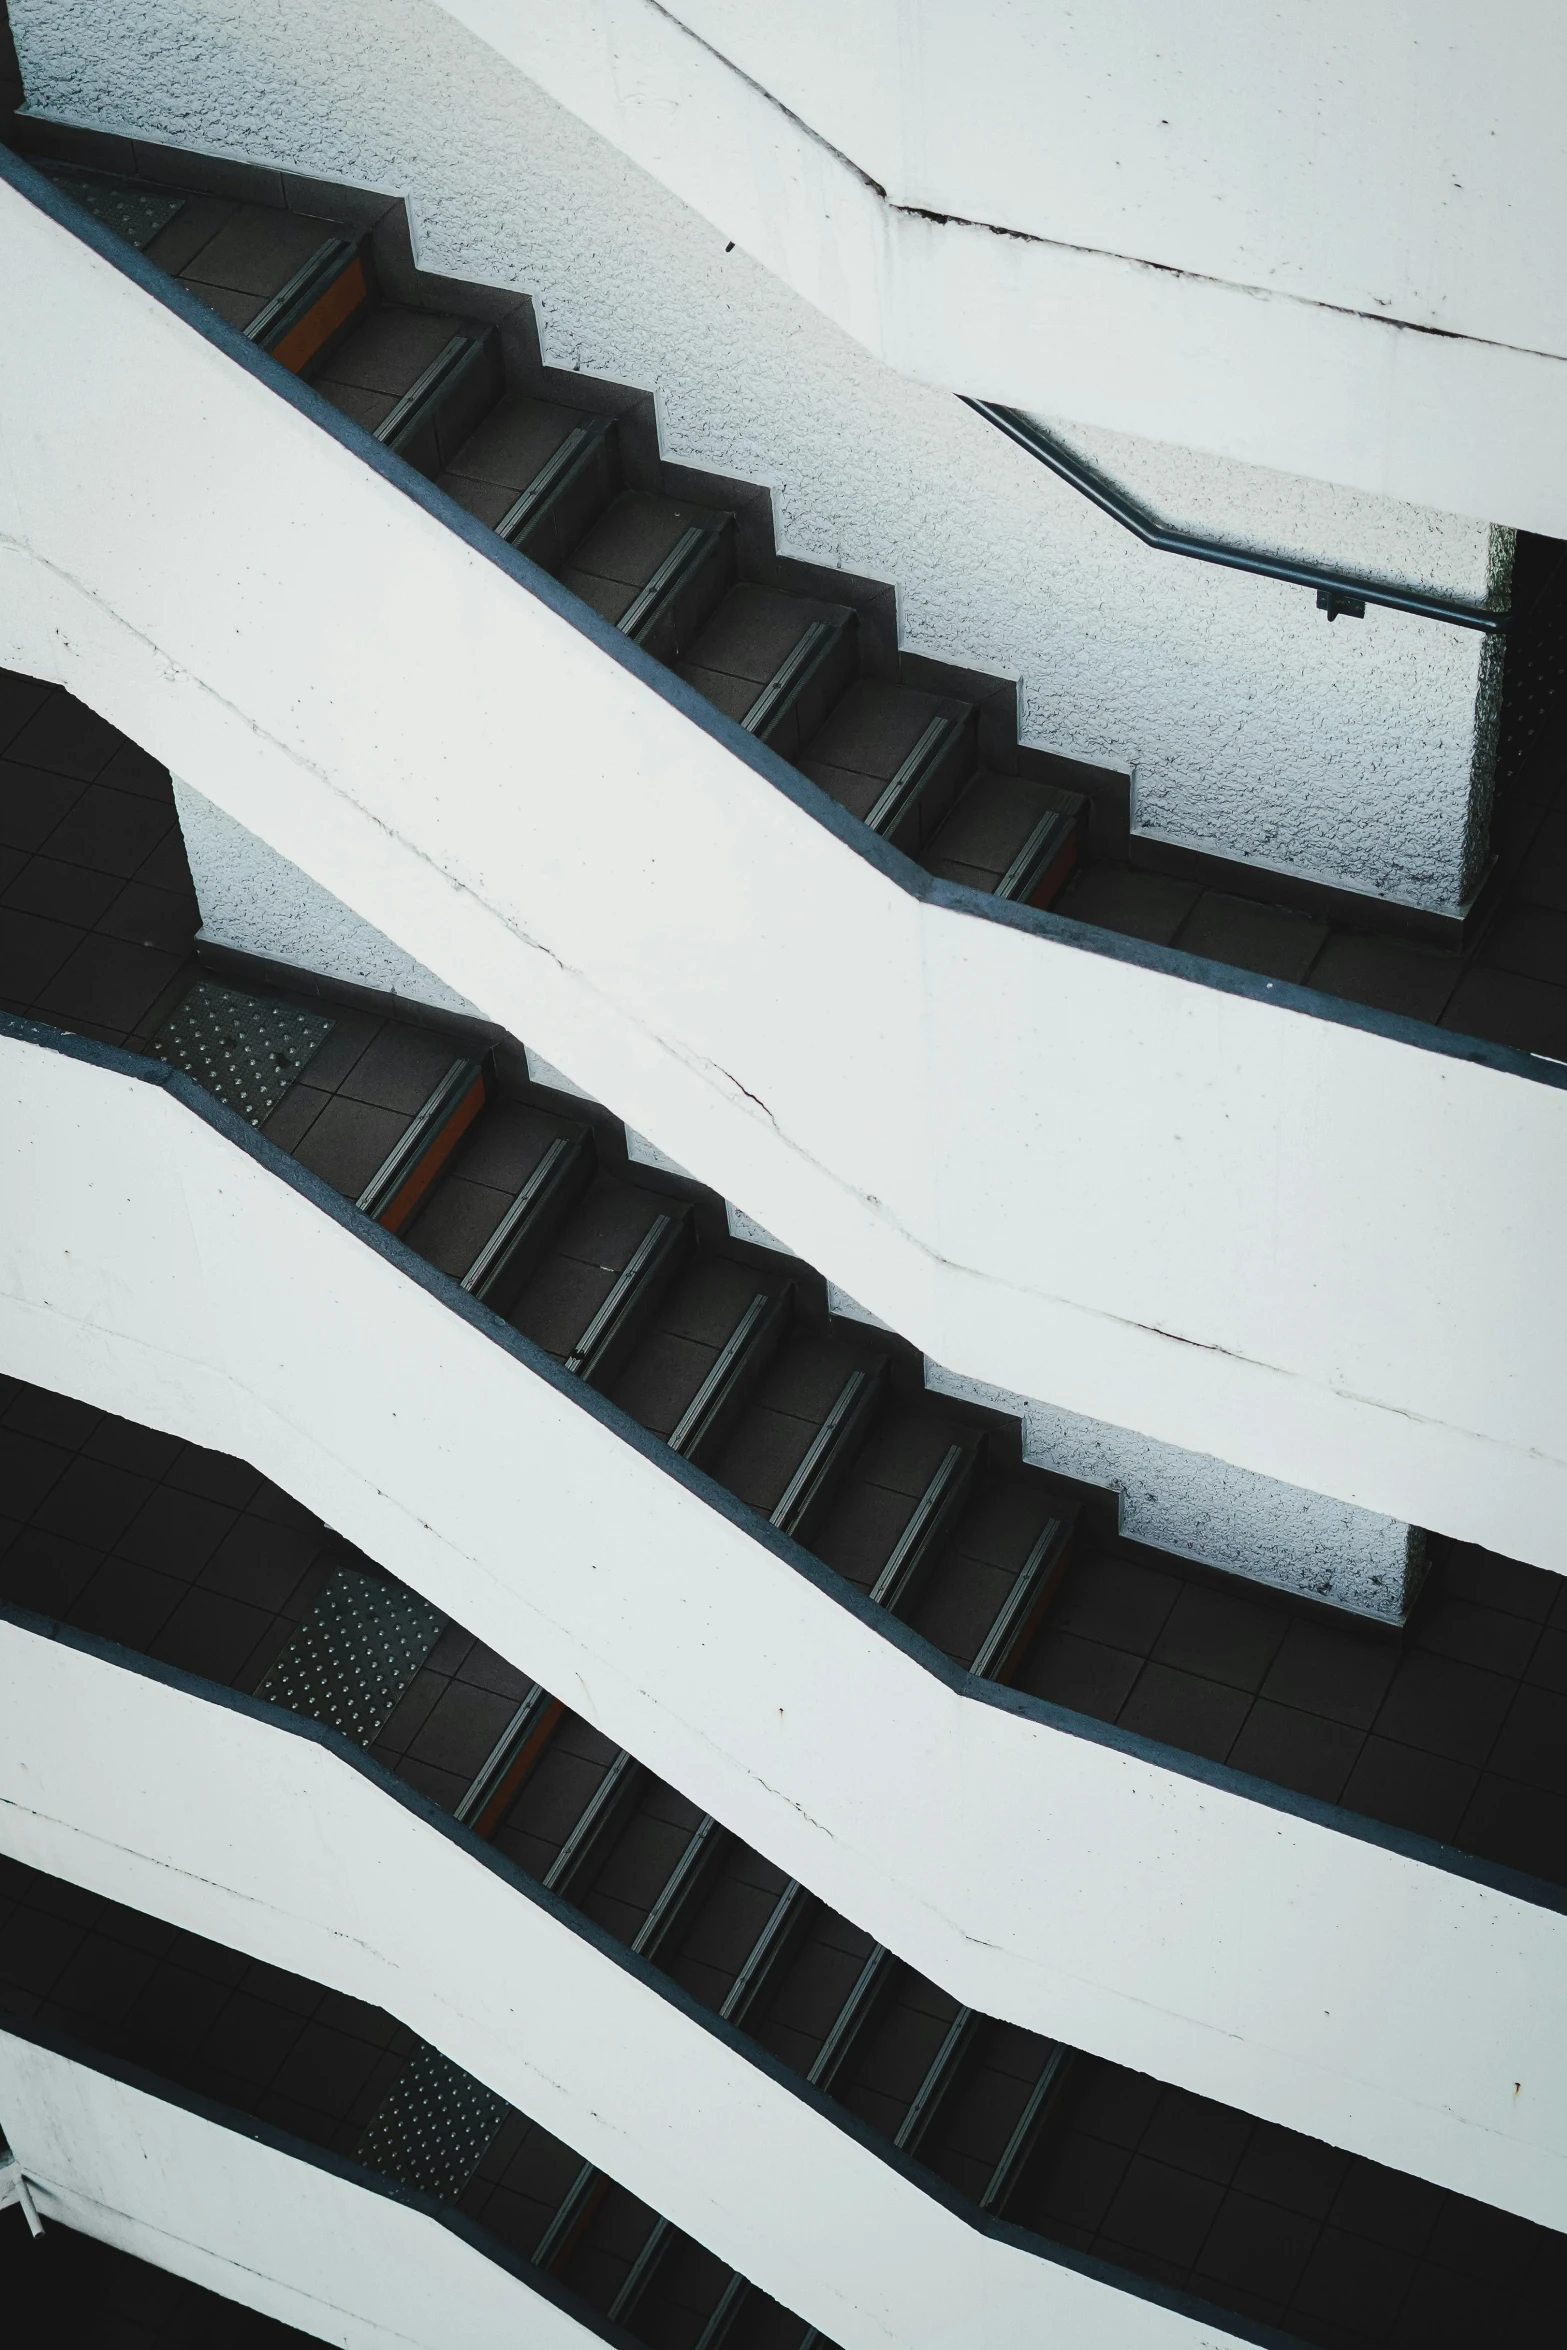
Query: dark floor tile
1121, 1602
1181, 1709
163, 918
872, 729
21, 698
32, 951
108, 981
93, 1502
1353, 2283
1151, 906
1408, 1789
175, 1532
1083, 1674
33, 805
1387, 973
134, 770
1465, 1571
29, 1470
1221, 1636
1388, 2207
256, 251
1529, 940
211, 1635
1505, 1008
110, 832
1257, 2249
1161, 2211
1532, 1745
348, 1142
128, 1604
65, 738
1445, 1708
1193, 2134
1469, 1635
1298, 2174
1297, 1750
1344, 1675
1267, 939
72, 894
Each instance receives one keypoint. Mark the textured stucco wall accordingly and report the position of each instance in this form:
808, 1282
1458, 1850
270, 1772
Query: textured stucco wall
254, 900
1253, 727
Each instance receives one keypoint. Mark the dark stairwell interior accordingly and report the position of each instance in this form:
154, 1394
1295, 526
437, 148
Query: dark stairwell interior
192, 1560
567, 468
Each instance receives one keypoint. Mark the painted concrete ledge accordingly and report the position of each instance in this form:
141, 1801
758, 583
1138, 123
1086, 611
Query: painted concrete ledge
257, 1829
263, 2219
1316, 1243
1441, 417
257, 2216
160, 1260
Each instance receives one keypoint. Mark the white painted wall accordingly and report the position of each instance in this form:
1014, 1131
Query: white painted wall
254, 902
1357, 754
1312, 1251
1225, 225
1317, 1253
270, 1843
152, 1267
1189, 1224
268, 2229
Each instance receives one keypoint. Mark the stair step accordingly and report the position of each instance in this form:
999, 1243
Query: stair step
399, 1184
831, 1452
634, 1299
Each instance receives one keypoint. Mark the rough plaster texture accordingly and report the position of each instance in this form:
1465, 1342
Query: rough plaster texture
1355, 753
256, 902
253, 899
1225, 1517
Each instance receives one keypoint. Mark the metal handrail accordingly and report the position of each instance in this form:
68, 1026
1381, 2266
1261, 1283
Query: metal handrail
1338, 593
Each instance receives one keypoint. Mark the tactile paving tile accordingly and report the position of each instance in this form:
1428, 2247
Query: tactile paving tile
434, 2129
136, 214
246, 1049
354, 1655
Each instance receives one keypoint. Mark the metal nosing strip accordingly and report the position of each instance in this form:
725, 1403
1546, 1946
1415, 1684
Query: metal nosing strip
1026, 2129
590, 1822
754, 1966
912, 772
324, 263
660, 2237
1016, 1604
425, 387
1021, 869
712, 1387
717, 2329
573, 2214
488, 1262
496, 1763
789, 676
887, 1590
798, 1491
944, 2068
403, 1158
676, 1886
552, 475
850, 2020
579, 1361
682, 556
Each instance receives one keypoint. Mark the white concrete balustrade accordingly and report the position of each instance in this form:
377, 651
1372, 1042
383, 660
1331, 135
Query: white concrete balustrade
1072, 1168
1065, 1879
252, 1835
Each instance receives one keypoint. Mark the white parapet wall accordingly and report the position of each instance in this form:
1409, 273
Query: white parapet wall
1318, 1244
266, 2225
254, 903
255, 2221
255, 1833
1356, 754
161, 1262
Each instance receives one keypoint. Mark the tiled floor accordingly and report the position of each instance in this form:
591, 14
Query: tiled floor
1282, 2230
1510, 984
194, 1559
308, 2061
97, 913
61, 2288
1456, 1730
